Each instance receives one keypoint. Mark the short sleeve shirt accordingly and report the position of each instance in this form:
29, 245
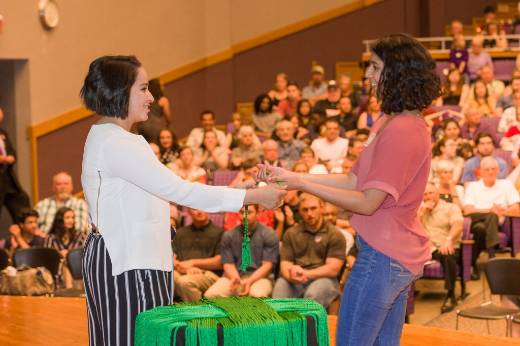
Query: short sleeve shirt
439, 221
191, 242
396, 161
264, 247
310, 248
480, 196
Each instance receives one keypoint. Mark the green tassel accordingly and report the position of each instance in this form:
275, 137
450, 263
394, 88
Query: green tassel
246, 247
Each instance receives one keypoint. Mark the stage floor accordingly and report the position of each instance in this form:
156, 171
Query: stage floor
63, 321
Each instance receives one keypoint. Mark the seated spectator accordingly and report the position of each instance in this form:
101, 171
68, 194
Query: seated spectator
348, 163
510, 117
47, 207
303, 110
207, 123
328, 107
291, 212
196, 251
352, 92
300, 167
312, 256
373, 113
317, 88
331, 148
300, 133
264, 117
494, 86
249, 147
346, 118
446, 187
210, 155
487, 201
330, 215
168, 145
443, 223
485, 148
256, 281
287, 106
498, 37
288, 147
455, 90
478, 58
186, 168
270, 153
459, 55
446, 150
156, 150
480, 99
456, 28
506, 100
450, 129
489, 17
308, 156
362, 134
355, 147
279, 91
63, 237
474, 126
232, 130
159, 116
25, 233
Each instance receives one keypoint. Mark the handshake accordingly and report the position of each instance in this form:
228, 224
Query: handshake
276, 183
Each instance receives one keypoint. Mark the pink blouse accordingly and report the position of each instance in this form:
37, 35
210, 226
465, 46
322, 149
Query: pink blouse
396, 161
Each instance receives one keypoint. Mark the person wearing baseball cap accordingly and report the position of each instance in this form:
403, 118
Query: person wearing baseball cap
317, 88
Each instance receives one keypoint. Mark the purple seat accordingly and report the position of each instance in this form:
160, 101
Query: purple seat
510, 234
504, 68
490, 125
223, 177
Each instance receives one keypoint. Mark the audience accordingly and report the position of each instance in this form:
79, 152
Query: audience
211, 155
478, 58
256, 281
317, 88
169, 148
264, 117
270, 153
485, 148
279, 91
186, 168
443, 223
459, 55
312, 256
25, 233
196, 251
159, 116
331, 148
373, 113
287, 106
487, 201
248, 148
63, 237
47, 207
446, 150
288, 147
328, 107
207, 123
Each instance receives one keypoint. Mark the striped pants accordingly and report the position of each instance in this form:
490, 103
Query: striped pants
113, 302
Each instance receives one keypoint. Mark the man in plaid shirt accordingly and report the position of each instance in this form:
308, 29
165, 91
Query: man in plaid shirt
47, 208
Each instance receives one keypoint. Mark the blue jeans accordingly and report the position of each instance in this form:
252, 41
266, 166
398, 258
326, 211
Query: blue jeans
373, 305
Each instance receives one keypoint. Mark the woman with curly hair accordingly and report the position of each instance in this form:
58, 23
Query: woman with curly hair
383, 191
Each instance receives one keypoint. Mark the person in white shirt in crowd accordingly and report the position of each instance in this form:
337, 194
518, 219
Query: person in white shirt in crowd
317, 88
331, 148
207, 123
488, 201
62, 187
511, 115
128, 259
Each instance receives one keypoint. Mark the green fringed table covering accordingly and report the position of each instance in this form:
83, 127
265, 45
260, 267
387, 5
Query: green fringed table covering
234, 321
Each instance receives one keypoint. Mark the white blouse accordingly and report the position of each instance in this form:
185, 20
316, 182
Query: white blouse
132, 210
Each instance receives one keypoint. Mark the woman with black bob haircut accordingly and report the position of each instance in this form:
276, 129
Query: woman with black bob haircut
128, 260
383, 191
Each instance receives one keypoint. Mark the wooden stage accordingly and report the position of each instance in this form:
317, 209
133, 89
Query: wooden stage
63, 321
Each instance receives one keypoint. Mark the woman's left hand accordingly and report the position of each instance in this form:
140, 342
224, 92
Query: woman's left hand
277, 175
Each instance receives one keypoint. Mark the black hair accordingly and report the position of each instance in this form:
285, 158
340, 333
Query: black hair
408, 80
489, 9
258, 101
58, 225
446, 122
175, 143
293, 84
299, 105
154, 85
207, 112
365, 132
106, 89
25, 213
484, 135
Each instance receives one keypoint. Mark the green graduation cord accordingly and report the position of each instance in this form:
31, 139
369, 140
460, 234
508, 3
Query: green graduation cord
246, 246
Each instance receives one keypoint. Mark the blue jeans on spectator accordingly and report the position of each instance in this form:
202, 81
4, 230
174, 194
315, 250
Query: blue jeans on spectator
373, 305
322, 290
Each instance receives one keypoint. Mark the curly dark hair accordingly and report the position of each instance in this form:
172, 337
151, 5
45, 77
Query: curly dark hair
258, 101
408, 80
